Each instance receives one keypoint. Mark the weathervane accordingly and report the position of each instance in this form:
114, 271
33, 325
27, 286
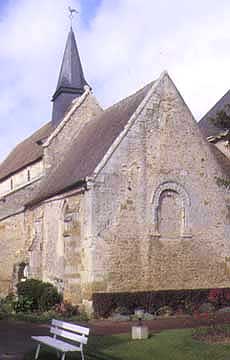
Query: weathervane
71, 13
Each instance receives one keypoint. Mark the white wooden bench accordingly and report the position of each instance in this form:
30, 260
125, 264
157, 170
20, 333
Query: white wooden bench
64, 330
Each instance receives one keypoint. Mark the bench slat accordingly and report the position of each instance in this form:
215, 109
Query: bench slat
71, 327
69, 335
56, 343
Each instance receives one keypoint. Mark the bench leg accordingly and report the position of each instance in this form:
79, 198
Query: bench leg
82, 355
37, 351
63, 356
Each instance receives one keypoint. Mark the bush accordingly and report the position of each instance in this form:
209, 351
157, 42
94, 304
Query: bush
36, 295
165, 311
66, 309
182, 301
206, 308
122, 310
7, 306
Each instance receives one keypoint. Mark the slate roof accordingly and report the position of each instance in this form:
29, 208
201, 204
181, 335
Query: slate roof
71, 81
206, 126
25, 153
71, 75
91, 145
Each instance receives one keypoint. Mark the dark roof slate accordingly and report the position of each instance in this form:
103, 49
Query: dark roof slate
25, 153
206, 126
71, 75
92, 143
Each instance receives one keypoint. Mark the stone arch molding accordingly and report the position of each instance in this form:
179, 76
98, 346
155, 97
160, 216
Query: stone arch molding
185, 207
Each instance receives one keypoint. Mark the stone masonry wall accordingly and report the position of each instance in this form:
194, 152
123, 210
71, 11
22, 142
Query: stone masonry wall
57, 251
13, 250
40, 230
60, 143
158, 218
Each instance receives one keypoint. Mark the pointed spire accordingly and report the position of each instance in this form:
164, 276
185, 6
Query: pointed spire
71, 80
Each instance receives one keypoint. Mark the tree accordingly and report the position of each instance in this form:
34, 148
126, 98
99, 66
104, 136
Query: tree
222, 121
222, 118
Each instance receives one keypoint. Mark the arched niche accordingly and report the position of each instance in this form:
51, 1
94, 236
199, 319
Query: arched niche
174, 196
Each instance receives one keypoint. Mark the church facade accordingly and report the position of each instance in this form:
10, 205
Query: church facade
117, 200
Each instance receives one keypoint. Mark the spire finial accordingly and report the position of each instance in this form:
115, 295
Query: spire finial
71, 14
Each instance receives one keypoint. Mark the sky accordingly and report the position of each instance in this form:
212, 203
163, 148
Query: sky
123, 45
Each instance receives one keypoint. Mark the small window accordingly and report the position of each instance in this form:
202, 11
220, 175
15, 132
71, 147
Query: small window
22, 272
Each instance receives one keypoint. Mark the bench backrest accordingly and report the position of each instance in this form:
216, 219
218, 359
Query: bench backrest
69, 331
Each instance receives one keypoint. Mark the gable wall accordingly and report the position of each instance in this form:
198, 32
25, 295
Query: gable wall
164, 145
61, 142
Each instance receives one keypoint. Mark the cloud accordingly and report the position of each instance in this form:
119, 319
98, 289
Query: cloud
123, 44
32, 38
133, 43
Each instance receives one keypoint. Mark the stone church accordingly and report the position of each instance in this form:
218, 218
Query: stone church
117, 200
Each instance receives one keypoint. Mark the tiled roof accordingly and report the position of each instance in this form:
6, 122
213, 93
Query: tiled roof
91, 145
25, 153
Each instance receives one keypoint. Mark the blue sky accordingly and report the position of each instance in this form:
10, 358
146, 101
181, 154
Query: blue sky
89, 10
123, 45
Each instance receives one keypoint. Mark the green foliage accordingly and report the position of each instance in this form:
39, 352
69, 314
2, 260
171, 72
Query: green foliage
23, 304
179, 301
67, 309
225, 182
36, 295
39, 302
34, 317
7, 306
165, 311
206, 308
222, 118
215, 332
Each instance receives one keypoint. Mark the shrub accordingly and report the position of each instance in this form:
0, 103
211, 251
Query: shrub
122, 310
7, 306
66, 309
23, 304
206, 308
36, 295
165, 311
182, 301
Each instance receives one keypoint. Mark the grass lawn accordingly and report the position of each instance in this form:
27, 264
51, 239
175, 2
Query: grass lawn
167, 345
